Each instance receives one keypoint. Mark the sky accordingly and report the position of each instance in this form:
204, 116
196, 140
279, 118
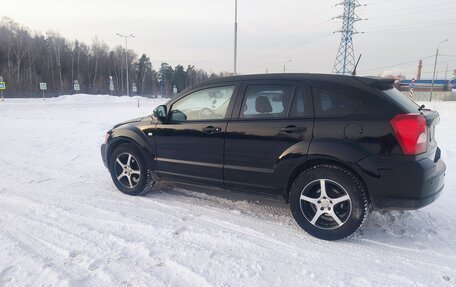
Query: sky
396, 34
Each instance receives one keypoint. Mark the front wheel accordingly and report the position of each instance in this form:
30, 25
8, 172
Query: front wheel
328, 201
129, 170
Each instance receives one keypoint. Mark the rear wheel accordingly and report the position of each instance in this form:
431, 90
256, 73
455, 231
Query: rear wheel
129, 170
328, 201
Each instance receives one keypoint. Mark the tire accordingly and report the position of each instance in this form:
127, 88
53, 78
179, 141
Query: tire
129, 170
333, 212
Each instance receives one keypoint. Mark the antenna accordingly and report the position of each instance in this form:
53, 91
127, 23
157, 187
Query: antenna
356, 66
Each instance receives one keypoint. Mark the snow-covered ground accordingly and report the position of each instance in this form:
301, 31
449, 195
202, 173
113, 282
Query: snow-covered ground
63, 223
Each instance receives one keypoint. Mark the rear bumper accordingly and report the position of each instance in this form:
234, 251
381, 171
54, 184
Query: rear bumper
405, 184
103, 155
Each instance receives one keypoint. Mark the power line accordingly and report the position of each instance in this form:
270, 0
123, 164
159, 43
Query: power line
300, 32
380, 3
411, 8
412, 13
443, 21
411, 26
399, 64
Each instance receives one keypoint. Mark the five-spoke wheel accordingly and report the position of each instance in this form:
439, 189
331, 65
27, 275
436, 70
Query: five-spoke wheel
328, 201
129, 170
325, 203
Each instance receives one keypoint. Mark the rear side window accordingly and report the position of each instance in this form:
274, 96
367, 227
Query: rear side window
402, 100
267, 101
332, 104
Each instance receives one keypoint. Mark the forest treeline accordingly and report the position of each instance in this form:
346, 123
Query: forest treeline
28, 58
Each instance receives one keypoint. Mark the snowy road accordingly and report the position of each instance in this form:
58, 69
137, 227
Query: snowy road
63, 223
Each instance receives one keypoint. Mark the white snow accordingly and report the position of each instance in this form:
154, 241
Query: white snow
63, 223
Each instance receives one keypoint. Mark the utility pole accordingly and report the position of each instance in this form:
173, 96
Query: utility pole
345, 59
284, 65
235, 37
435, 66
126, 56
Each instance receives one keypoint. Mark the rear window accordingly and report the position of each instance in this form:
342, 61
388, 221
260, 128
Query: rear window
402, 100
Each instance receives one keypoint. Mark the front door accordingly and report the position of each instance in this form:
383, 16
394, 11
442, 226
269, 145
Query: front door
189, 146
274, 123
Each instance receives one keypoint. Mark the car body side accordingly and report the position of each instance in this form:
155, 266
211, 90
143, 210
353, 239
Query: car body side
363, 142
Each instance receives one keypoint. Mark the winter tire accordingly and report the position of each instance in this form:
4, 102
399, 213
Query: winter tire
129, 170
328, 202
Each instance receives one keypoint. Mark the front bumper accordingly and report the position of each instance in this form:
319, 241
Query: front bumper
405, 184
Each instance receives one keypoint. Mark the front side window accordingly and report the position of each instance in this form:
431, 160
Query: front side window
207, 104
266, 101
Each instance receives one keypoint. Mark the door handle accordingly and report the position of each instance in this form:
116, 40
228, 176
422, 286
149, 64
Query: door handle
293, 129
212, 130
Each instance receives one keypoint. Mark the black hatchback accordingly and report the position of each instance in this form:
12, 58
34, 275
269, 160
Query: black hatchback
332, 146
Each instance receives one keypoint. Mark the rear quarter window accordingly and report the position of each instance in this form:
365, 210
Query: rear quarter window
332, 104
402, 100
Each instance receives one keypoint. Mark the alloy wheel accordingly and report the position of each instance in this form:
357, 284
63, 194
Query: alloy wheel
325, 204
127, 170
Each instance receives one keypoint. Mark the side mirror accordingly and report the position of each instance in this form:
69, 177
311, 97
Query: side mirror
161, 113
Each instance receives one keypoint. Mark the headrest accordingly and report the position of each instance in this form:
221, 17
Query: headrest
262, 105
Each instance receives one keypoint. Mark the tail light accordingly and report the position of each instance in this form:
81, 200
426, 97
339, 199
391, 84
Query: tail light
411, 132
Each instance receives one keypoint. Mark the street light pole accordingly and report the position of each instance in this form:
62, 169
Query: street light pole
435, 66
235, 37
284, 65
126, 56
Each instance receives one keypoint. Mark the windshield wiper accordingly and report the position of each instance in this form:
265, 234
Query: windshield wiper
421, 107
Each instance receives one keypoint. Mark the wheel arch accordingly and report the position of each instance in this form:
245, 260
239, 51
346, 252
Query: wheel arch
314, 161
143, 149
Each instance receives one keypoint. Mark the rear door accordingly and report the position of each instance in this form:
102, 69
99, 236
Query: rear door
272, 121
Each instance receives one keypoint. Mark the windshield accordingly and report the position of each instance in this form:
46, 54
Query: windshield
402, 100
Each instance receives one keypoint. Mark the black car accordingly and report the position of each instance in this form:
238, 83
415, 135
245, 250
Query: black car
332, 146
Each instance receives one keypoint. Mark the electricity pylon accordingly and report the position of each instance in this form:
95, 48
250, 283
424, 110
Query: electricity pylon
345, 60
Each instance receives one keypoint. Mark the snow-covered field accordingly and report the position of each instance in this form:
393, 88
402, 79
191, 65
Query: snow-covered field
63, 223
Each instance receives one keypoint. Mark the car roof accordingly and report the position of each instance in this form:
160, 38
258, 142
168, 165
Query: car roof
322, 78
282, 76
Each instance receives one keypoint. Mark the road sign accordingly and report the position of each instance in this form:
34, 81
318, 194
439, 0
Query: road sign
2, 86
76, 87
111, 87
134, 89
43, 86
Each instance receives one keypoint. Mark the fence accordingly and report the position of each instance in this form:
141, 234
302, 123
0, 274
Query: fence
436, 96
